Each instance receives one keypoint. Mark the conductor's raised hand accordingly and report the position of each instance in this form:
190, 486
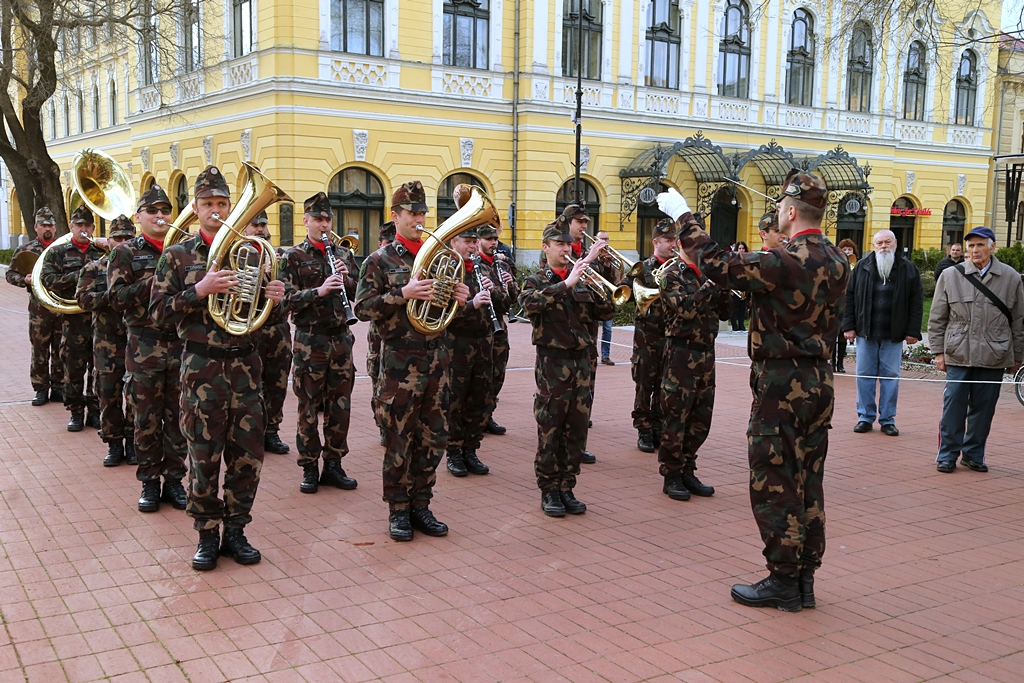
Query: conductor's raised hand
673, 203
422, 290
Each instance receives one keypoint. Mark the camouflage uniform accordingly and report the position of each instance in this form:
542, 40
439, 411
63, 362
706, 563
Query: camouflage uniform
648, 352
692, 308
503, 307
152, 359
324, 371
798, 293
563, 331
61, 267
44, 329
222, 413
275, 348
413, 400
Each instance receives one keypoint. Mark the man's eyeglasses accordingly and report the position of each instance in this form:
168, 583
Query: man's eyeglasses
154, 210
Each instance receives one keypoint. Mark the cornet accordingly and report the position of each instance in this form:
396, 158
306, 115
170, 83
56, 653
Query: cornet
600, 286
630, 268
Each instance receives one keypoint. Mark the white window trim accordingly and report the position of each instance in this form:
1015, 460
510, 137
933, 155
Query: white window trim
390, 26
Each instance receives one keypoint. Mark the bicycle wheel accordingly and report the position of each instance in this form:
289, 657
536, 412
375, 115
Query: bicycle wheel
1018, 385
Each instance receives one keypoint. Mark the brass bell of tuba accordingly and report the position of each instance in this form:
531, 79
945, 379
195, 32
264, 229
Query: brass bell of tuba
444, 265
253, 259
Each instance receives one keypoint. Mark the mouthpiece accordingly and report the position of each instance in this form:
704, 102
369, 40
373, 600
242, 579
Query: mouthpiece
161, 221
216, 215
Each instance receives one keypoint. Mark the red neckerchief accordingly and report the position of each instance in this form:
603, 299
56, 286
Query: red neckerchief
694, 267
80, 247
661, 261
561, 272
577, 248
489, 260
319, 246
44, 243
410, 246
207, 240
159, 245
808, 231
469, 265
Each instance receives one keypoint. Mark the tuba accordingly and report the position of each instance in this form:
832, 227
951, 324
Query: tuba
178, 229
444, 265
252, 258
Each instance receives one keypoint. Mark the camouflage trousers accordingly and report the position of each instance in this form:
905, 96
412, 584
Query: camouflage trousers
499, 356
45, 330
153, 390
373, 370
787, 439
76, 353
647, 361
413, 408
562, 408
472, 374
687, 402
223, 420
324, 375
275, 348
117, 420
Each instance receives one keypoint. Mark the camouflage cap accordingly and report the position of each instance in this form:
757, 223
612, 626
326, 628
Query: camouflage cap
45, 217
122, 226
82, 214
471, 232
666, 227
487, 231
769, 221
807, 187
577, 211
260, 218
387, 231
211, 183
410, 196
318, 205
558, 230
153, 196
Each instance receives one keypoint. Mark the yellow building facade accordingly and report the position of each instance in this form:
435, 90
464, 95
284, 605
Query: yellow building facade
354, 97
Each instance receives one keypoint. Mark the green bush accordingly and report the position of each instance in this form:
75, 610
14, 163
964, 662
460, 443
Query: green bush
926, 260
625, 314
928, 283
5, 256
1012, 256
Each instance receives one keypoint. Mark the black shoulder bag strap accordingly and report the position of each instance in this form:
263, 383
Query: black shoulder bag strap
974, 280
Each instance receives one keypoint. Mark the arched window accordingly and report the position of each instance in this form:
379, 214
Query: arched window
966, 88
860, 69
567, 195
181, 195
357, 26
466, 33
901, 222
734, 50
80, 101
954, 217
113, 102
357, 198
95, 107
915, 81
800, 60
445, 202
663, 44
67, 117
593, 27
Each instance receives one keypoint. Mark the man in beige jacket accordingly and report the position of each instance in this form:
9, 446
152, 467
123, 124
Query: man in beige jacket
975, 341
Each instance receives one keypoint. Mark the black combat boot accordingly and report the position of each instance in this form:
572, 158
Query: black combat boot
456, 464
334, 475
129, 452
56, 396
571, 504
272, 444
473, 464
205, 558
77, 423
494, 428
92, 418
694, 485
645, 441
773, 591
235, 545
310, 479
399, 525
149, 501
115, 453
41, 398
674, 488
588, 458
551, 503
807, 588
656, 437
423, 519
174, 493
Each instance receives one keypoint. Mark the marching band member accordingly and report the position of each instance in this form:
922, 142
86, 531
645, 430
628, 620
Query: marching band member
386, 235
504, 269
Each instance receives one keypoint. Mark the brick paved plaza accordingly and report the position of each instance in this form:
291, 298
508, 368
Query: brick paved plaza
922, 579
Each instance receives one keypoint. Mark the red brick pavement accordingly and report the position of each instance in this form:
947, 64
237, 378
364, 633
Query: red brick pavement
921, 580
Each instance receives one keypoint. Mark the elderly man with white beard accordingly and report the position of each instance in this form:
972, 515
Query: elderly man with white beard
884, 305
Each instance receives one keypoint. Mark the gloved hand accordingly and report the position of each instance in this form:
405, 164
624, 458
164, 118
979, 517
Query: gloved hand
672, 203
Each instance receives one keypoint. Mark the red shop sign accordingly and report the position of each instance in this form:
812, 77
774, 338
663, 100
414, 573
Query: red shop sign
896, 211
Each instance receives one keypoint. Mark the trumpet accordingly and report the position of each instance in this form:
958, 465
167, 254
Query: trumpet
606, 290
646, 296
632, 269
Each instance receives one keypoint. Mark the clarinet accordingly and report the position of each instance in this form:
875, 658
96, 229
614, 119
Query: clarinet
350, 318
499, 263
498, 329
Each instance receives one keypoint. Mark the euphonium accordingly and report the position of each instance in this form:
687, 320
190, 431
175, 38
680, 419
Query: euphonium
178, 229
444, 266
253, 259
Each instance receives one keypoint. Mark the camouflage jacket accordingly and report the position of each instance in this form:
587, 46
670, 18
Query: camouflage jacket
476, 322
799, 290
304, 269
693, 305
379, 294
562, 318
17, 279
653, 322
502, 304
62, 266
278, 314
130, 279
93, 295
174, 301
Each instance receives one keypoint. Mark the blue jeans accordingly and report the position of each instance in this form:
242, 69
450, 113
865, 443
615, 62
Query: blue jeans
606, 338
967, 411
878, 358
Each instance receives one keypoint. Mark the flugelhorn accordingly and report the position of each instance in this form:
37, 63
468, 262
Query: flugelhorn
618, 295
253, 259
646, 296
630, 268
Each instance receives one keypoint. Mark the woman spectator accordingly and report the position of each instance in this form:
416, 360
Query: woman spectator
839, 350
739, 305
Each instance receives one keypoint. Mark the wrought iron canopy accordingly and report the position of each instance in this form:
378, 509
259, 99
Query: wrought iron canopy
840, 171
773, 160
704, 158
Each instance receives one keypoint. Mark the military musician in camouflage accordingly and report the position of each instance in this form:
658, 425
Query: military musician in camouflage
504, 269
386, 235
